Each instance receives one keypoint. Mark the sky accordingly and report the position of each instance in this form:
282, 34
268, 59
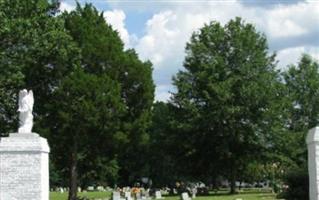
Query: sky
159, 29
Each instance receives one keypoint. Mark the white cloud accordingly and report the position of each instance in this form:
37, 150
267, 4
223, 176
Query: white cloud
289, 56
292, 20
159, 37
292, 55
167, 31
161, 92
117, 19
286, 26
66, 7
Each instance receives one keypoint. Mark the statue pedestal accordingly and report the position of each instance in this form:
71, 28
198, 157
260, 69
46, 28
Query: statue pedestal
24, 167
313, 162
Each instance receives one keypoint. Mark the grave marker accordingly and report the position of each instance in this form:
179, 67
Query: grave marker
24, 160
313, 162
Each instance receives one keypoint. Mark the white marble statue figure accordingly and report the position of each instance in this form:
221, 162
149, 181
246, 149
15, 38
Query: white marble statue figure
26, 102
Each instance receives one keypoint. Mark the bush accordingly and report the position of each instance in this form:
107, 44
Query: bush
297, 182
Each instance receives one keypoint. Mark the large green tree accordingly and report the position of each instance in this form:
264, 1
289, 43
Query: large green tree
301, 113
35, 53
225, 96
86, 126
163, 151
302, 81
302, 105
103, 55
54, 54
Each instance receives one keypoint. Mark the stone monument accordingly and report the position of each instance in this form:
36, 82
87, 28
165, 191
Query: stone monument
313, 162
24, 162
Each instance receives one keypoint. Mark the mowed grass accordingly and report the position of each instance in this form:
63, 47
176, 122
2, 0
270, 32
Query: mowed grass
90, 195
259, 196
243, 196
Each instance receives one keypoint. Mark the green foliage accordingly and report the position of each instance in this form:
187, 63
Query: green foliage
225, 96
302, 98
303, 94
298, 185
101, 46
301, 111
35, 52
231, 115
103, 53
88, 116
162, 155
56, 177
92, 96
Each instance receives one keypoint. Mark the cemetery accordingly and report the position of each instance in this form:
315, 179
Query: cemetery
196, 105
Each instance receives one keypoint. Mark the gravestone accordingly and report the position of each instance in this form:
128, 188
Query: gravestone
116, 196
24, 160
138, 195
158, 195
100, 188
147, 194
185, 196
128, 196
313, 162
194, 192
90, 188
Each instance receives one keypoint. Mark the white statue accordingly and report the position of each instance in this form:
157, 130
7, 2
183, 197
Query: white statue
26, 102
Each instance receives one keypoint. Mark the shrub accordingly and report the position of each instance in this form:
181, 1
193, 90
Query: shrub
297, 182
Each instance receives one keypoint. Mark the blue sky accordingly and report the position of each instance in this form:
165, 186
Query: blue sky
291, 27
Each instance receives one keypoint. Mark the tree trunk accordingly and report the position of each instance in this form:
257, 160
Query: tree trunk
73, 173
232, 179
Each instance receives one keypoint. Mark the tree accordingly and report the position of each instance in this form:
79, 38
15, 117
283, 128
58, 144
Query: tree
302, 83
301, 113
300, 109
48, 53
102, 53
225, 95
35, 53
163, 148
89, 107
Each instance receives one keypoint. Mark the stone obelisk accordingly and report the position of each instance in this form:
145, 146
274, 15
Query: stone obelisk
24, 162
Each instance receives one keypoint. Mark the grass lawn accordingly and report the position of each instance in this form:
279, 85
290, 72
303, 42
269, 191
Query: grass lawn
91, 195
244, 196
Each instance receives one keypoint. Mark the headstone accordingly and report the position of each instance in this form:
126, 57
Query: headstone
194, 191
138, 195
147, 193
90, 188
313, 162
116, 196
158, 195
100, 188
24, 160
185, 196
128, 196
174, 191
